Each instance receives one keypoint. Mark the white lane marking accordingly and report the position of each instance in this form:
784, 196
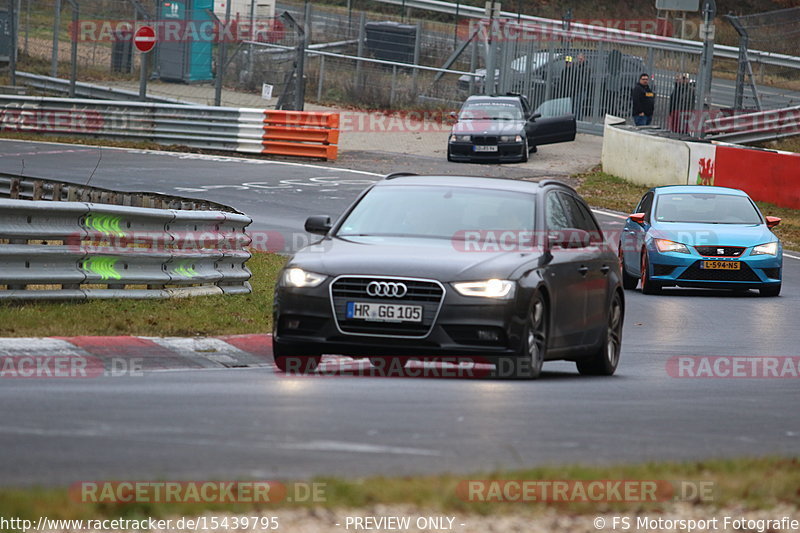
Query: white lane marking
205, 157
38, 346
356, 447
790, 255
609, 214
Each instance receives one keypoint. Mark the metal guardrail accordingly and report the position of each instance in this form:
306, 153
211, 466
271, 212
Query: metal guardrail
231, 129
34, 188
89, 90
52, 250
755, 127
603, 33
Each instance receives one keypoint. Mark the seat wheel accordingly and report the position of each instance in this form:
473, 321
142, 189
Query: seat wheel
648, 286
628, 282
775, 290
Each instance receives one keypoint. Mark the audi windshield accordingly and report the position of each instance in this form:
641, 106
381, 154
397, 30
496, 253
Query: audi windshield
437, 212
706, 208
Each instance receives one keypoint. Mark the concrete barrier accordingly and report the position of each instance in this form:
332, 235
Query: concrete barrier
644, 158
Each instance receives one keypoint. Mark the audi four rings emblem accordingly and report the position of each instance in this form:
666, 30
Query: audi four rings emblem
388, 289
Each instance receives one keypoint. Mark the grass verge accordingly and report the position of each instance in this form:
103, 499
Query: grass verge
206, 315
610, 192
749, 483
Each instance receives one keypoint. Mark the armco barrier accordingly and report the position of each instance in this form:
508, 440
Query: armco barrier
75, 250
641, 158
294, 133
766, 175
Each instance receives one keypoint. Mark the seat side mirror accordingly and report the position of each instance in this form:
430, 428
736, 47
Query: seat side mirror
638, 218
773, 221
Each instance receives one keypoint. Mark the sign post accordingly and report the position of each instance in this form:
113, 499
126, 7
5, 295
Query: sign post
144, 40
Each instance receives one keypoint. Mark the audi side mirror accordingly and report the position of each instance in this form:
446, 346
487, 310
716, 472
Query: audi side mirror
569, 238
318, 224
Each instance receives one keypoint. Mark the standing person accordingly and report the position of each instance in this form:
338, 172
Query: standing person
644, 101
681, 103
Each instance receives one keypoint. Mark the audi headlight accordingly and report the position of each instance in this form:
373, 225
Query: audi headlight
665, 245
491, 288
460, 138
770, 248
297, 277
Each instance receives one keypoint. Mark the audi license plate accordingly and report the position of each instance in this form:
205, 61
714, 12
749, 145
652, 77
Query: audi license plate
485, 148
384, 312
721, 265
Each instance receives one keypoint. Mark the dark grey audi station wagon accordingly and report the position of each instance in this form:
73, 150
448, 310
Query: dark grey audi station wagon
509, 272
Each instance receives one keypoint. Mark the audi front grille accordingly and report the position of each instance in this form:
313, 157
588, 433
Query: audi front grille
427, 293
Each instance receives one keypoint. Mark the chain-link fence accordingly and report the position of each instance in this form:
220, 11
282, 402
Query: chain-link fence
390, 61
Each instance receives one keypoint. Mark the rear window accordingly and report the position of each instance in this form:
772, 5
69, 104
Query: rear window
706, 208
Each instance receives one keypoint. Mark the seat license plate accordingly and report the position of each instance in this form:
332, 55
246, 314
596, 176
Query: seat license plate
722, 265
384, 312
485, 148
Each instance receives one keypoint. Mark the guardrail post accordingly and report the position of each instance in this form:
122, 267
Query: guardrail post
56, 193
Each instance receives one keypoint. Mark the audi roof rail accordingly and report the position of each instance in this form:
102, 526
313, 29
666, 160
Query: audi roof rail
394, 175
545, 183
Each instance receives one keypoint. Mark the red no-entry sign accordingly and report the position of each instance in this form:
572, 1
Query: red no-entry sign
144, 39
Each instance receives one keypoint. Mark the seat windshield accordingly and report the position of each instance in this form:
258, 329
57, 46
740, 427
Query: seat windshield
706, 208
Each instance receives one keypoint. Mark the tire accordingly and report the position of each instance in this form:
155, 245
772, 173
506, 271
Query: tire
291, 359
449, 156
628, 282
604, 362
525, 153
648, 286
527, 364
774, 290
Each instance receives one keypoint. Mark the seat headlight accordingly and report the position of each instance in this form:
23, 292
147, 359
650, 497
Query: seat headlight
770, 248
460, 138
297, 277
490, 288
665, 245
